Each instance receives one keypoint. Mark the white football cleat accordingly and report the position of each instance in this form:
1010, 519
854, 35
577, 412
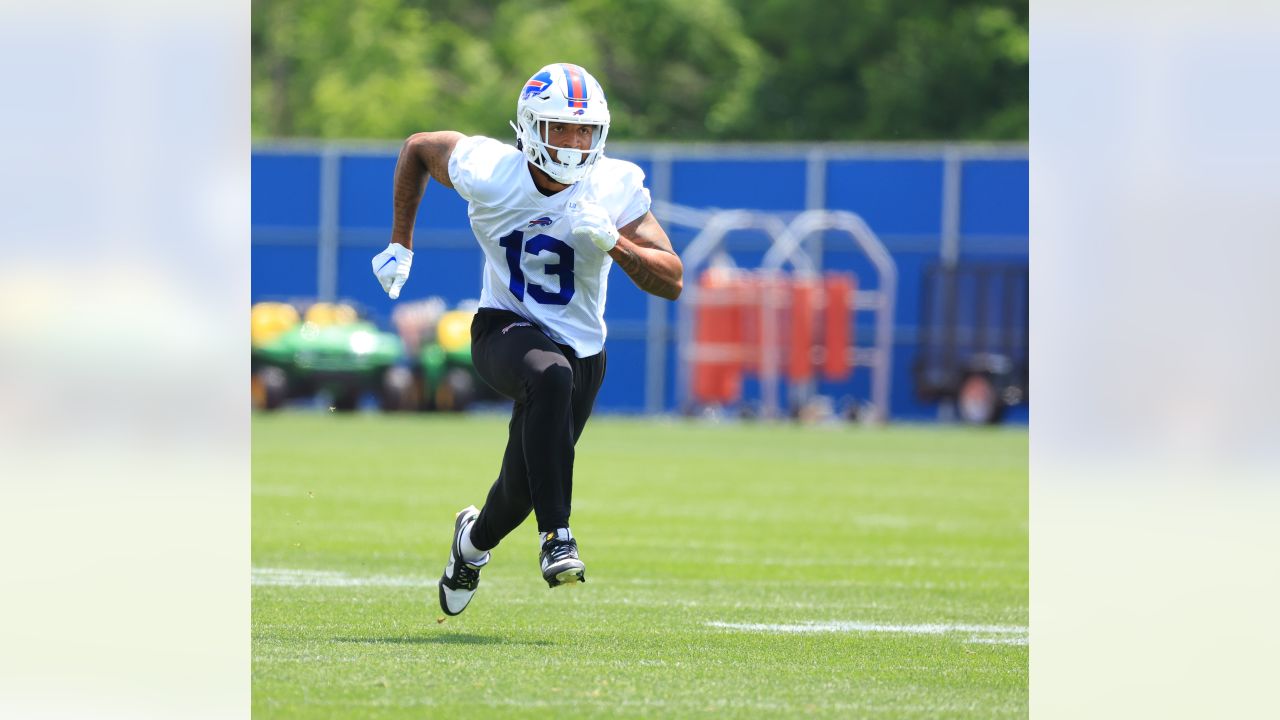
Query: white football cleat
460, 578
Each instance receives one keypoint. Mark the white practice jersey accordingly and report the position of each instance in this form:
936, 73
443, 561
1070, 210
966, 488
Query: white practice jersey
533, 265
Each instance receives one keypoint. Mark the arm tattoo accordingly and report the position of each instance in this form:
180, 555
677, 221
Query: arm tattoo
644, 273
408, 185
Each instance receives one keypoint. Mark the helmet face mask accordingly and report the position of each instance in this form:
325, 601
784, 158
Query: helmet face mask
561, 94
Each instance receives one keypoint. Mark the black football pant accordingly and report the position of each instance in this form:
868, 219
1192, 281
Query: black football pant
554, 391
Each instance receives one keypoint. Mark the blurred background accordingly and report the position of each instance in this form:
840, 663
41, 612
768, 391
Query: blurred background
847, 183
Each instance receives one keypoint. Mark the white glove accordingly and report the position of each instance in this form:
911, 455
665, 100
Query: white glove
391, 266
592, 221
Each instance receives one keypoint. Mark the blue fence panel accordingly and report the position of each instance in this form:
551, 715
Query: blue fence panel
285, 190
623, 389
364, 194
895, 197
995, 197
756, 184
282, 272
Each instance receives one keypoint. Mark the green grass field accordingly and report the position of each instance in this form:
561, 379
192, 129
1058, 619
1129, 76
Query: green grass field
732, 571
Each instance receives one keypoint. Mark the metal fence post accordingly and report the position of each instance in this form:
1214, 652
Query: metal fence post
949, 251
327, 248
815, 197
656, 340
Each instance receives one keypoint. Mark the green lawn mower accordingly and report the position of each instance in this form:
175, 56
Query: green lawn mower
329, 351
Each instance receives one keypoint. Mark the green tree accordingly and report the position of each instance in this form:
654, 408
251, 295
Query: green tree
673, 69
386, 68
884, 70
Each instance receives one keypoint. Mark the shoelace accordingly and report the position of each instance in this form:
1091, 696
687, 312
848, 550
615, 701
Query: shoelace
468, 577
561, 549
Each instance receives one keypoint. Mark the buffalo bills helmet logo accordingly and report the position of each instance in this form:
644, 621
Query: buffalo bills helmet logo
536, 84
542, 221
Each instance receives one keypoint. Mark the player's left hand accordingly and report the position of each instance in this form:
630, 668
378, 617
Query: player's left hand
589, 220
391, 266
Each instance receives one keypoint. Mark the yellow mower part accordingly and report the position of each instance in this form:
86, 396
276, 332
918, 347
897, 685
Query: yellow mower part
267, 320
454, 330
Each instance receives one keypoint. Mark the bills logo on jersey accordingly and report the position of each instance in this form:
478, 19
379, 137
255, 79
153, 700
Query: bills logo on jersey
536, 84
541, 222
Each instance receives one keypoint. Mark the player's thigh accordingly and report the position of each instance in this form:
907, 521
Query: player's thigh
512, 356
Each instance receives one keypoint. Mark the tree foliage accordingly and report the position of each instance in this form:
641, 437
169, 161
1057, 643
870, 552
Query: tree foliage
673, 69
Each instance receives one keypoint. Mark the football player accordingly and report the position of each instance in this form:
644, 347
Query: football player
552, 215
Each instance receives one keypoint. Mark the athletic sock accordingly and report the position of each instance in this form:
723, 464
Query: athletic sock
560, 534
470, 553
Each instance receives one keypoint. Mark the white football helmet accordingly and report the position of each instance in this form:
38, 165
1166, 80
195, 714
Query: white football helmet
561, 93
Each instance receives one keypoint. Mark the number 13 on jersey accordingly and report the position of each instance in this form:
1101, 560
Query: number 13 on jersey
516, 246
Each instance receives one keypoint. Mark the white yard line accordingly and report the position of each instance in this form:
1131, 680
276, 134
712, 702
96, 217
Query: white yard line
332, 578
848, 626
985, 634
1000, 640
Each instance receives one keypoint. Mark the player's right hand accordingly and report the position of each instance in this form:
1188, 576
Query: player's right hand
391, 267
592, 221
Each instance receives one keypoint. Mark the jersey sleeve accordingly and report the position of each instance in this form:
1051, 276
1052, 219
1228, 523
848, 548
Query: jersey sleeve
473, 166
634, 196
